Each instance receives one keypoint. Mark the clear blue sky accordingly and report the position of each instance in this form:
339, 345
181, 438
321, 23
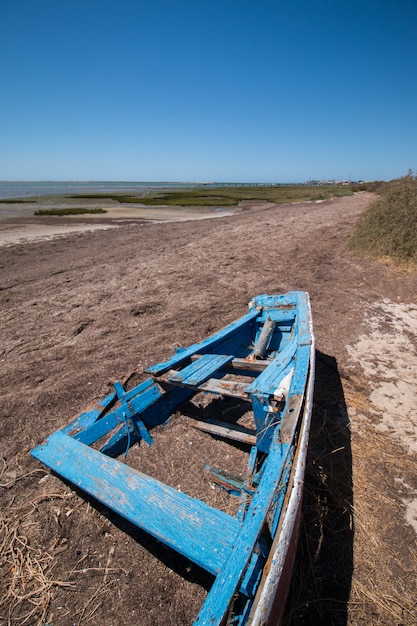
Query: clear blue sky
207, 90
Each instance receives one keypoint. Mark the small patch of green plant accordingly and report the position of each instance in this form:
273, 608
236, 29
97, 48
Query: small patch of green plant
12, 201
389, 227
68, 211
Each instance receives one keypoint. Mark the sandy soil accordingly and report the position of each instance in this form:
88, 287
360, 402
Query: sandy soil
80, 310
19, 225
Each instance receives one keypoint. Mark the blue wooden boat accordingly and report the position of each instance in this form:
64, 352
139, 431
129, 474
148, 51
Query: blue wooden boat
266, 359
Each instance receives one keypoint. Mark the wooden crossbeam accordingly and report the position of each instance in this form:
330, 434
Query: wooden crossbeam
226, 430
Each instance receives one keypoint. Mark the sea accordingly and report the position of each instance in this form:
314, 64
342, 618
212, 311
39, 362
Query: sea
30, 189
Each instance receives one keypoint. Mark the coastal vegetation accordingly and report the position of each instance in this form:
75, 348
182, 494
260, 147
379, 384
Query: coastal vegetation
388, 229
68, 211
232, 196
229, 195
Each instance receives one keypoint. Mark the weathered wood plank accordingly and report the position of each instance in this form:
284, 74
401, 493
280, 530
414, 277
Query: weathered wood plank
268, 381
243, 364
199, 532
223, 429
229, 481
148, 395
303, 330
198, 371
225, 388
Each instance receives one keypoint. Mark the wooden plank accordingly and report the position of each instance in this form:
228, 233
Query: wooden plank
198, 371
189, 526
283, 317
244, 364
229, 481
89, 415
303, 320
296, 395
268, 381
223, 429
225, 388
142, 400
284, 302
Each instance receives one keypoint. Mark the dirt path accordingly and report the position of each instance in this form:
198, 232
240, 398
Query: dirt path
80, 311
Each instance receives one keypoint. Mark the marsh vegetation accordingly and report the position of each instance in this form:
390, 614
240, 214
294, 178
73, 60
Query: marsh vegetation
230, 195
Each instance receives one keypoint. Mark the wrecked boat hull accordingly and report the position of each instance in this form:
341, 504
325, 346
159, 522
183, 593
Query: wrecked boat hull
265, 359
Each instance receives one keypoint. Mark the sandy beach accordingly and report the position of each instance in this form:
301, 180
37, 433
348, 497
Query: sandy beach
18, 224
84, 301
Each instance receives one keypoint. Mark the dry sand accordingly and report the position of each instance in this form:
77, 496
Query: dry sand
387, 354
27, 227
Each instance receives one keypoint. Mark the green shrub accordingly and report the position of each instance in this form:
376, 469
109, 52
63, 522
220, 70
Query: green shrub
389, 227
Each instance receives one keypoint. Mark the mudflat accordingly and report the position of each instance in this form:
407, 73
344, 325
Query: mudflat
80, 310
20, 224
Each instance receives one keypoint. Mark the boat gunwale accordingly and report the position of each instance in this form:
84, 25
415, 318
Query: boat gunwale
266, 598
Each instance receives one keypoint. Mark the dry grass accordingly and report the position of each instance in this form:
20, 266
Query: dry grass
26, 570
28, 581
26, 573
384, 588
356, 394
353, 516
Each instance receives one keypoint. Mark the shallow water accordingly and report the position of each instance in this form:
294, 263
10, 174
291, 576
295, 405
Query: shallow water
29, 189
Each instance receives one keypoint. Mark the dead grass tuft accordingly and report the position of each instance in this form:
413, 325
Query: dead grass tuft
26, 572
